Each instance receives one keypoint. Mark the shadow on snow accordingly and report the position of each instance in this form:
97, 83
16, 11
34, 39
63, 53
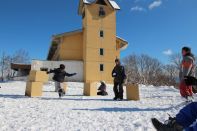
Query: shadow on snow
13, 96
116, 109
75, 99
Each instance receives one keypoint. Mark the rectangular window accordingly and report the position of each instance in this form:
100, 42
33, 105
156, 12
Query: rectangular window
101, 33
101, 67
101, 12
102, 2
83, 15
101, 51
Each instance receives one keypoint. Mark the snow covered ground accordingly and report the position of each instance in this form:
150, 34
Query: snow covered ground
76, 112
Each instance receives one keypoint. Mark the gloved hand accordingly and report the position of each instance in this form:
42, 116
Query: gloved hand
48, 72
114, 75
190, 81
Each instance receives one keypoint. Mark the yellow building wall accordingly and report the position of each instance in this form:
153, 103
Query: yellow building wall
86, 45
92, 25
71, 47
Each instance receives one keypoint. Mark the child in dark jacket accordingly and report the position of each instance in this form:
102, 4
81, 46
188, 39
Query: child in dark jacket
102, 89
59, 75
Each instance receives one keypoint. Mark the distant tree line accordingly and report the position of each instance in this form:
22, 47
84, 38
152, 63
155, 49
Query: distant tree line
20, 56
143, 69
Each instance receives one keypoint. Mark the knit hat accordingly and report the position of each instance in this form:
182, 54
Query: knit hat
187, 49
62, 66
117, 60
102, 82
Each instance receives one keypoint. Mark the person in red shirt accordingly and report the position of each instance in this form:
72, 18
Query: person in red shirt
187, 68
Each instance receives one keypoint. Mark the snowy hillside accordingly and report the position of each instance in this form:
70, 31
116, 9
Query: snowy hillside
76, 112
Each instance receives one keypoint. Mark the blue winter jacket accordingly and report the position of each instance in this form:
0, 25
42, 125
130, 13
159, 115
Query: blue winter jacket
188, 116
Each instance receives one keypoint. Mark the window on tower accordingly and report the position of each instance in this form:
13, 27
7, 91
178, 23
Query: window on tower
101, 51
101, 67
101, 12
101, 33
83, 15
101, 2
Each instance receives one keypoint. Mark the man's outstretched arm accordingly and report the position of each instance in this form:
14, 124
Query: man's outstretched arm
69, 75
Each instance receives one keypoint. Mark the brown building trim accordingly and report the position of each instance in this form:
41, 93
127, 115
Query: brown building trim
16, 66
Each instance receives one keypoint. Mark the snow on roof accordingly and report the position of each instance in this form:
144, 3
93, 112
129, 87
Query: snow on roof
112, 2
88, 1
120, 38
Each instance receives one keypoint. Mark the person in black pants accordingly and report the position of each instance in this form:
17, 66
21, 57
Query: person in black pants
59, 75
119, 76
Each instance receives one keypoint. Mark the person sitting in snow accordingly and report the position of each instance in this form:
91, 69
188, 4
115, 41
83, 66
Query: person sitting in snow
187, 69
102, 89
59, 75
119, 76
185, 120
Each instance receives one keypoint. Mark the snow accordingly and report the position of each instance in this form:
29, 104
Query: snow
76, 112
88, 1
112, 2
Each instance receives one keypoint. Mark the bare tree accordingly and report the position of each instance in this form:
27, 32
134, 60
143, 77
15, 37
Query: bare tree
143, 69
131, 68
2, 63
21, 56
176, 59
149, 69
172, 73
5, 66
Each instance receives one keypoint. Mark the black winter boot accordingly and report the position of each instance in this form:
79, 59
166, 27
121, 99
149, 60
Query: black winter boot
115, 98
169, 125
60, 92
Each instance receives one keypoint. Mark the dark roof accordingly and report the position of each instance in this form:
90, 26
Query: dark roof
17, 66
68, 33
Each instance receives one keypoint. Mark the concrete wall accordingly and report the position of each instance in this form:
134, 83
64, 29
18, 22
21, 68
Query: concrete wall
71, 67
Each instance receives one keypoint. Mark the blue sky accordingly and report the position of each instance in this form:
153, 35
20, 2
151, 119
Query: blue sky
154, 27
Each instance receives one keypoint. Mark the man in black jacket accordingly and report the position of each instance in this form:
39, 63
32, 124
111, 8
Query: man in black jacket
59, 75
119, 78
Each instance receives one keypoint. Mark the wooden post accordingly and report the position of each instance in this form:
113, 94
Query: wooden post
132, 92
35, 83
90, 89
